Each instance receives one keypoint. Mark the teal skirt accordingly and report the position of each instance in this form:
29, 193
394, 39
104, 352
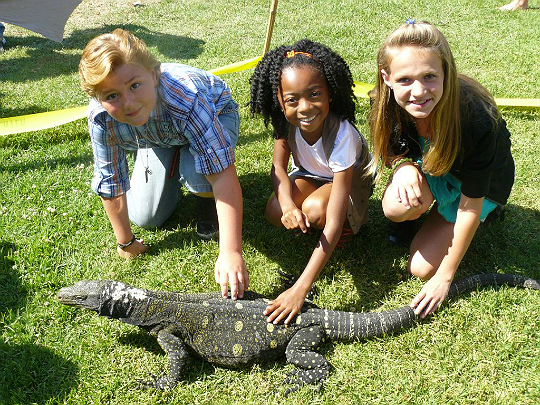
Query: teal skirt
446, 191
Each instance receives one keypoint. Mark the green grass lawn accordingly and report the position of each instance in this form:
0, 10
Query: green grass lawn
481, 348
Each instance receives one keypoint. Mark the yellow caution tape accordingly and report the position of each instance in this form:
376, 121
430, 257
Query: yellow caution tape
237, 67
518, 102
40, 121
362, 89
37, 122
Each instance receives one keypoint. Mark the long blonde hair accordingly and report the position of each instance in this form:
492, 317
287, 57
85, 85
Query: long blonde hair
386, 114
106, 52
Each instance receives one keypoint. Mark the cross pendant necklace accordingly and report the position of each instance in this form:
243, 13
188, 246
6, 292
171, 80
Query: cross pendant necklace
147, 170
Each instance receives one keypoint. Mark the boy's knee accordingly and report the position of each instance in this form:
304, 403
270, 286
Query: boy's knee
150, 217
147, 221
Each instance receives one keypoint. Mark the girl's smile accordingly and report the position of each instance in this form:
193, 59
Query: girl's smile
416, 76
128, 94
305, 100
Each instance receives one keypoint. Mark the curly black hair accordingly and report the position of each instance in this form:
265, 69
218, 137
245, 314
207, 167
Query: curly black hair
267, 76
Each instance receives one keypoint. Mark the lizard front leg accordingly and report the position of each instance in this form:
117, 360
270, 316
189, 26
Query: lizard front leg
312, 366
177, 355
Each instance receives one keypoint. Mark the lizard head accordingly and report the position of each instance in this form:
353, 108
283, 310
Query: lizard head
113, 299
84, 294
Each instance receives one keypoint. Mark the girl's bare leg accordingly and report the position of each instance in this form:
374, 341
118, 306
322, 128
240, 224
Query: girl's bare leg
301, 188
430, 245
397, 212
314, 206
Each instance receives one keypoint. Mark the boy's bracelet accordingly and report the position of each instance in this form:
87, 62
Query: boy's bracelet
125, 245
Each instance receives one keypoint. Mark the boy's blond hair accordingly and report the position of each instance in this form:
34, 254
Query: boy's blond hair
106, 52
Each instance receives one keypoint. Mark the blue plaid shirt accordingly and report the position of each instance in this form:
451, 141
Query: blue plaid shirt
186, 113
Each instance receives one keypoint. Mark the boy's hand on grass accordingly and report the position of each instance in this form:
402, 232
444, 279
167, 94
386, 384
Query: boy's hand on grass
295, 218
287, 304
230, 269
137, 248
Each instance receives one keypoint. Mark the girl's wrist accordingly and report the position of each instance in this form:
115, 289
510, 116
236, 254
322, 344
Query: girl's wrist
399, 162
302, 286
446, 274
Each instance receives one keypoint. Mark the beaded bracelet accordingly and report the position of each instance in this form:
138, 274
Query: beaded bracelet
400, 161
125, 245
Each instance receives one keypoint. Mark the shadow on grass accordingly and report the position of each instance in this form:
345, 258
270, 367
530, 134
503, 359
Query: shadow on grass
512, 245
84, 155
34, 374
12, 294
182, 222
28, 373
45, 58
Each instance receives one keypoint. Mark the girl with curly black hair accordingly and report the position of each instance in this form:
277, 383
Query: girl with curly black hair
306, 92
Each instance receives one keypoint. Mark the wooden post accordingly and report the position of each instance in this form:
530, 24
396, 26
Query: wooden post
271, 20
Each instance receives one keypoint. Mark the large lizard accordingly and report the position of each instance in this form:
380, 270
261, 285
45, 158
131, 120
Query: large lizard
236, 333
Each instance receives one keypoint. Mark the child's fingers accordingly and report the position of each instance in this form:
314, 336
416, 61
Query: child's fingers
306, 221
427, 306
243, 283
300, 221
292, 314
418, 193
412, 196
234, 286
420, 307
416, 300
275, 312
281, 316
402, 197
271, 314
271, 307
224, 283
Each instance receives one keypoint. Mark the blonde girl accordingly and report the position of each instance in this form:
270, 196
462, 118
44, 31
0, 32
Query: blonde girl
441, 134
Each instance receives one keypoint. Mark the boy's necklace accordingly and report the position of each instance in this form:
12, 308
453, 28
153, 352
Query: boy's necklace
147, 170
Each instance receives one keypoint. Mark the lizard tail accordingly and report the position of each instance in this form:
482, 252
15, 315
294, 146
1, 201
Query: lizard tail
490, 279
348, 326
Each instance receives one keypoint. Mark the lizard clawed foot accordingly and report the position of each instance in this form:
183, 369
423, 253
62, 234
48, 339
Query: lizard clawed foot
300, 377
161, 383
